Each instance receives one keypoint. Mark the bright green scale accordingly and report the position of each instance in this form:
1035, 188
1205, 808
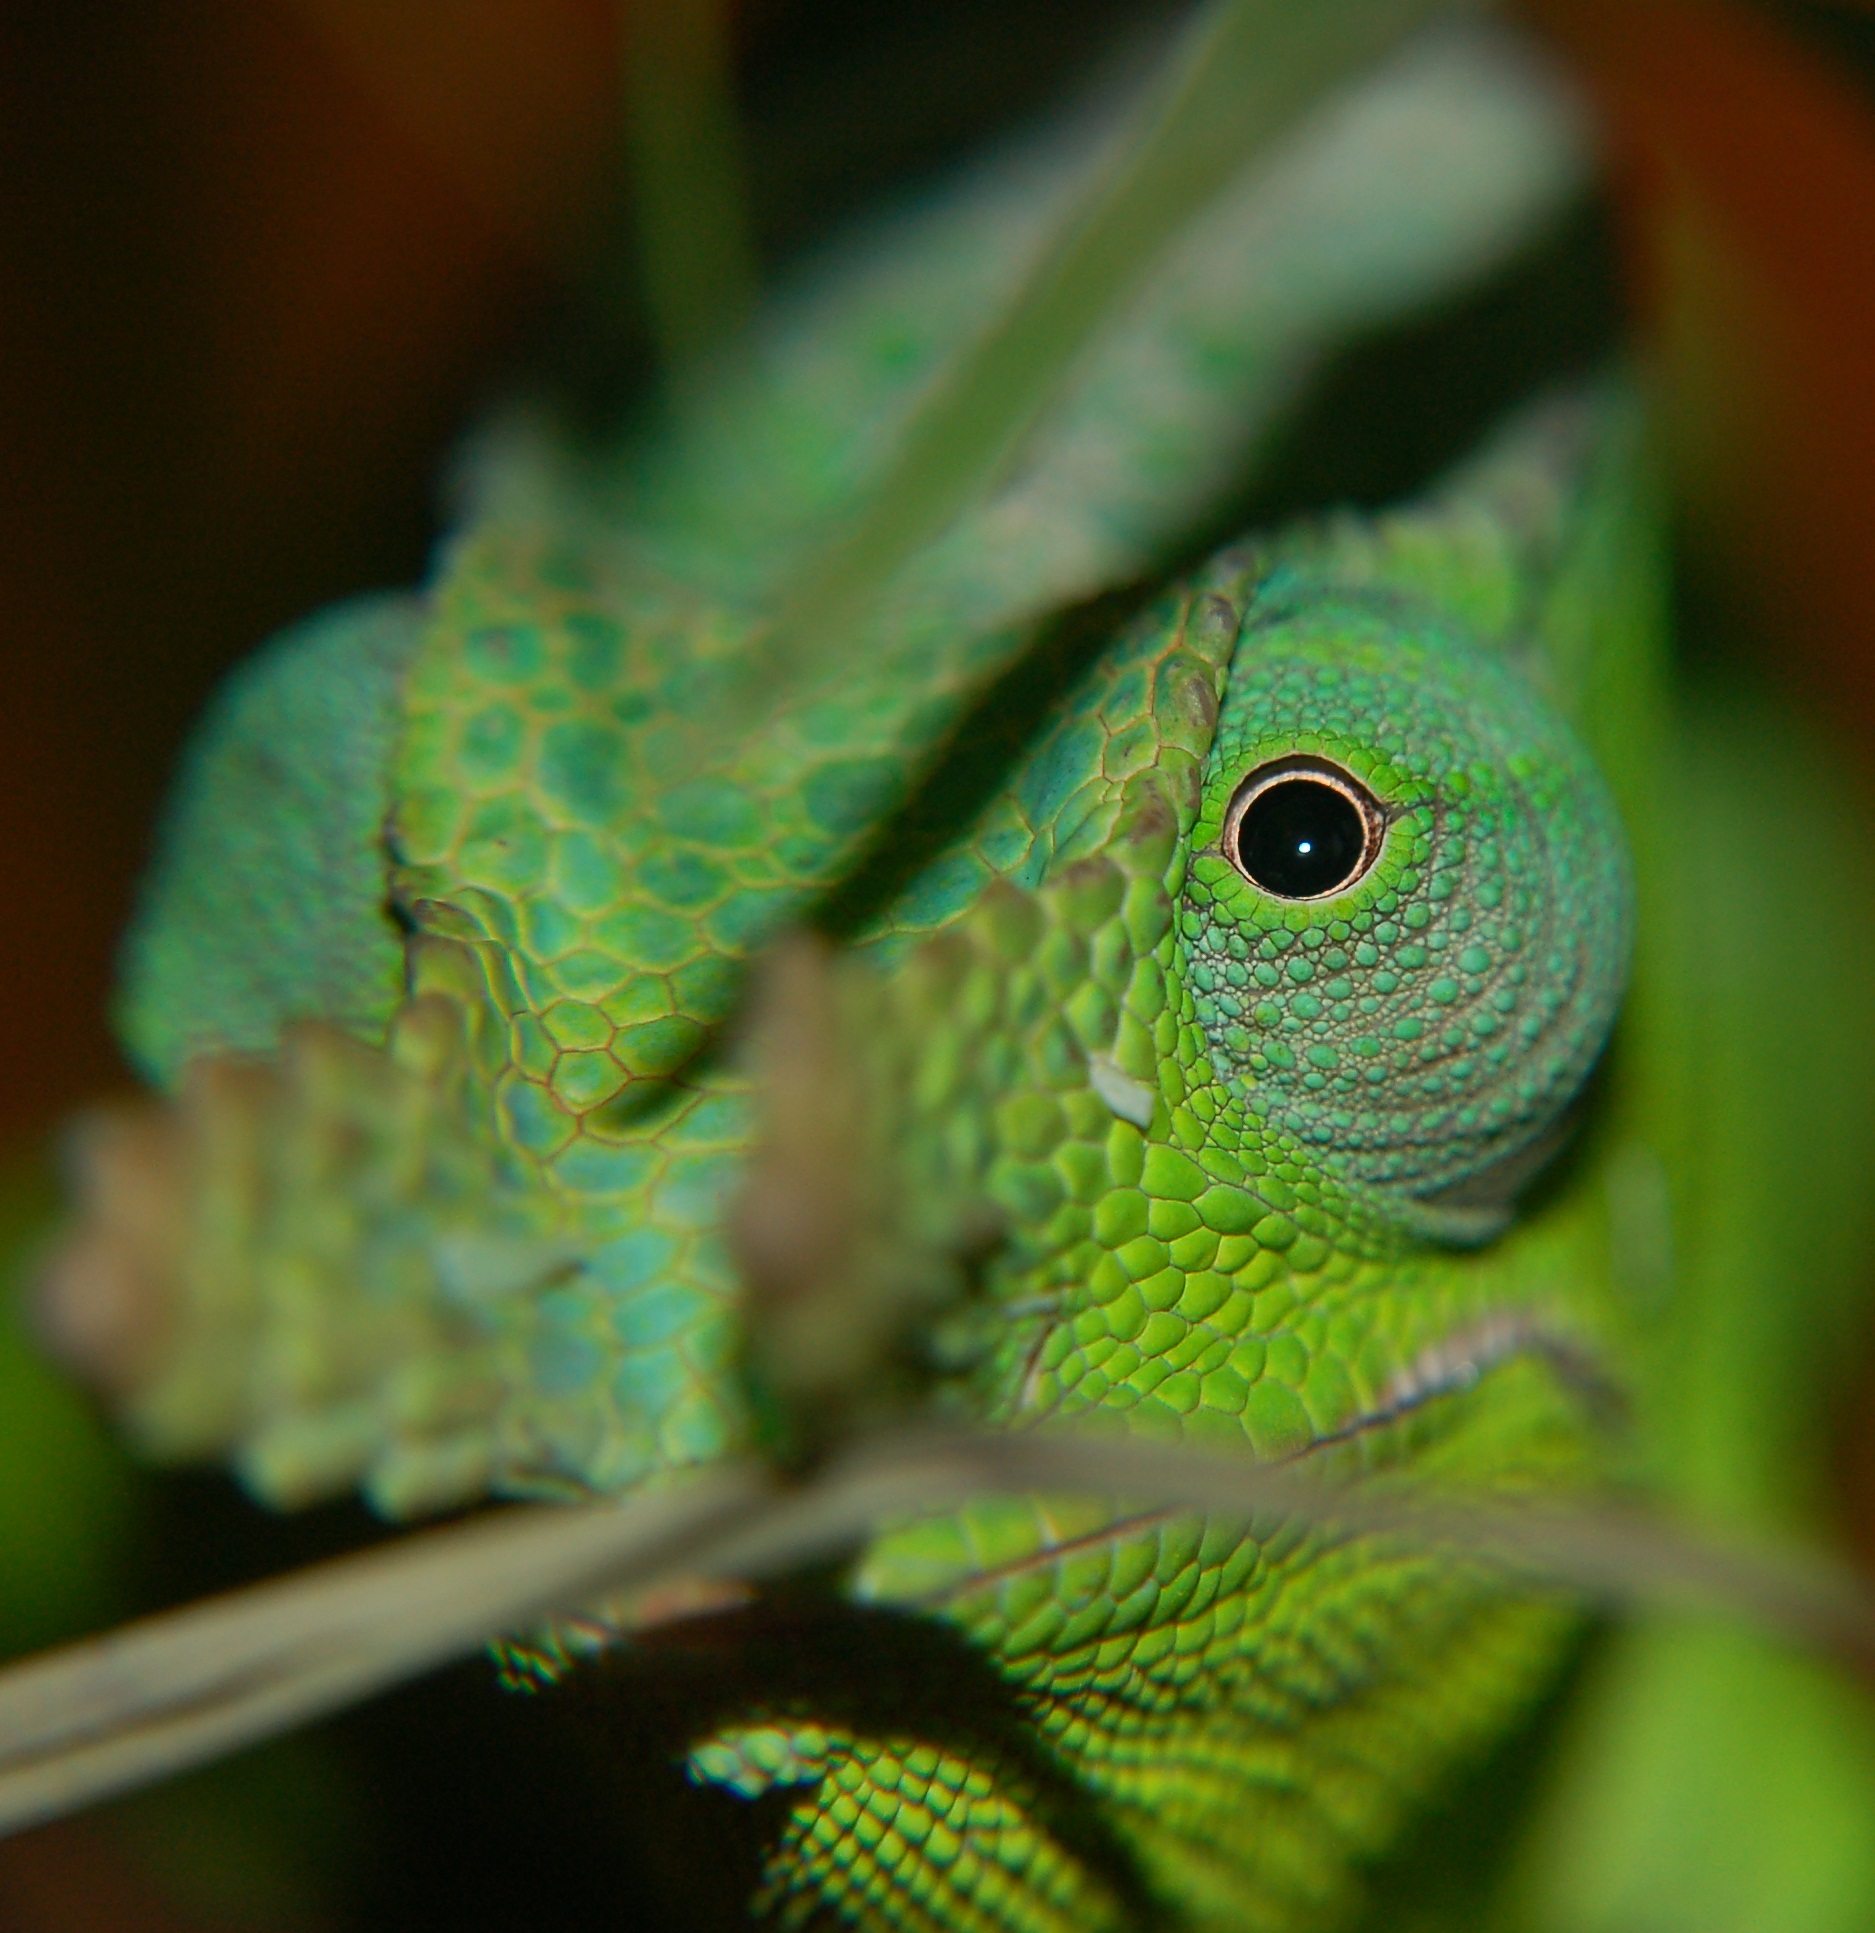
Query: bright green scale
1253, 1147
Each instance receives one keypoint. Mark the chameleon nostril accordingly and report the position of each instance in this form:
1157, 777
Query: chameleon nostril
1303, 829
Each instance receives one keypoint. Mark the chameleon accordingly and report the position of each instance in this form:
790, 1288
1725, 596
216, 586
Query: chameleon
1227, 956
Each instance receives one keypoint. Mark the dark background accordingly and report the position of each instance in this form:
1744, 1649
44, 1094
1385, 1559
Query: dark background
261, 260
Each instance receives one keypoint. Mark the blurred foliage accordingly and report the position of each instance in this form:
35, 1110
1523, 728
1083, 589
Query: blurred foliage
70, 1489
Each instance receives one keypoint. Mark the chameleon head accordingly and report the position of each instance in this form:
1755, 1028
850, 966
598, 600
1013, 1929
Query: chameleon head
1406, 922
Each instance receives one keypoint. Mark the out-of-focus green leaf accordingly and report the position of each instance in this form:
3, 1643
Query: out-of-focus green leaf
66, 1487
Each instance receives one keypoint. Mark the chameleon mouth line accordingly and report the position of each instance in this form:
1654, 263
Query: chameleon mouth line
1459, 1362
1452, 1366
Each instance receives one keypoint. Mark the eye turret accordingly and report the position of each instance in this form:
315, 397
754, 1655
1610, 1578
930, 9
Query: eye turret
1405, 925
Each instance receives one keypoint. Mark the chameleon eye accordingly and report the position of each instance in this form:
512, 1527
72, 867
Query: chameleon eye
1302, 828
1404, 922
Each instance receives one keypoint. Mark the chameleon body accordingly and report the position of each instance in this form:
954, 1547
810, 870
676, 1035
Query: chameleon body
458, 900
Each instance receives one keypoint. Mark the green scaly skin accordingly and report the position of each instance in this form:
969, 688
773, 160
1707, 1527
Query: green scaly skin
457, 1221
1204, 1272
1247, 1708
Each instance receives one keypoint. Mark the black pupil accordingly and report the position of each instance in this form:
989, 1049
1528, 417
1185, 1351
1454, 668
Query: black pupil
1300, 838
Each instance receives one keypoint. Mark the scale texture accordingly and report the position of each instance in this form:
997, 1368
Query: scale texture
1246, 1164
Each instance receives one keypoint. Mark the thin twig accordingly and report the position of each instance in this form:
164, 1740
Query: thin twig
174, 1691
156, 1697
1248, 70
